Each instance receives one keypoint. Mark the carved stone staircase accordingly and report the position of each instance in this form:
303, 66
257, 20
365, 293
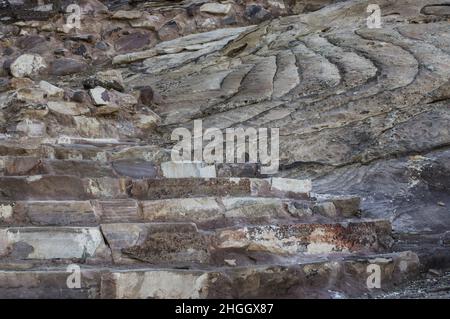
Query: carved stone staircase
138, 229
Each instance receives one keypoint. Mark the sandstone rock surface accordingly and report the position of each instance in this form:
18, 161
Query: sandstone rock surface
86, 119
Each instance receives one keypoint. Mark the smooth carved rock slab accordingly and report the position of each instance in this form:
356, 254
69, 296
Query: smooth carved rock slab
52, 213
67, 108
305, 280
60, 187
187, 170
45, 243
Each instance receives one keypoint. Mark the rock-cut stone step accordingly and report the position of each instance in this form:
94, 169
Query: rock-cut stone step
59, 187
205, 212
325, 279
198, 187
133, 168
182, 243
41, 244
50, 283
320, 278
294, 239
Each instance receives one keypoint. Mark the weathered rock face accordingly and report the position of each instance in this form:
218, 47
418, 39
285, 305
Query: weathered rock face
87, 113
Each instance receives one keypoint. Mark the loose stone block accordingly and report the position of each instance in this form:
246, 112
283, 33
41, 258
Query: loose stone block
26, 65
136, 168
105, 187
188, 170
6, 211
326, 209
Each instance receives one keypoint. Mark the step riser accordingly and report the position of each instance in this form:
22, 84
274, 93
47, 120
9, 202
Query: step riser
81, 244
182, 243
73, 188
29, 166
49, 284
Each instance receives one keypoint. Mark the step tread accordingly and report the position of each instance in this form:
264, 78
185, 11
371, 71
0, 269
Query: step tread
46, 187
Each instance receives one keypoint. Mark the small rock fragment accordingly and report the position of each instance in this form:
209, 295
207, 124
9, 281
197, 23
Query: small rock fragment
230, 262
50, 89
27, 65
347, 205
100, 96
256, 13
31, 128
